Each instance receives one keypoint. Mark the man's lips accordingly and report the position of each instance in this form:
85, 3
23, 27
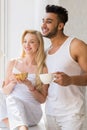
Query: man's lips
44, 31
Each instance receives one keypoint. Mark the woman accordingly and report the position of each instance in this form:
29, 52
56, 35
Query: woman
25, 92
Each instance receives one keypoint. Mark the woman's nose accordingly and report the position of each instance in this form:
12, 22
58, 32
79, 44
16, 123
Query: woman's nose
28, 43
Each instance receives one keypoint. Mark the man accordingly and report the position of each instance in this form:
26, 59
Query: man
67, 58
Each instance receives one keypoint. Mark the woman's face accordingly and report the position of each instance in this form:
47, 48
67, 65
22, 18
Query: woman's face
30, 44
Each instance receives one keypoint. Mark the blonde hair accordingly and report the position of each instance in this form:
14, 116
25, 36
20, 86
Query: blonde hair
39, 57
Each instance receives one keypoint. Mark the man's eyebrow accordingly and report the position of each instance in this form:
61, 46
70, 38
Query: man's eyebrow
48, 19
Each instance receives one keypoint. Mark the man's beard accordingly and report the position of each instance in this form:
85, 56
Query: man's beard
52, 34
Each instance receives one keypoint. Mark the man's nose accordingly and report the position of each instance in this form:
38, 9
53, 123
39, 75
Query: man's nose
44, 24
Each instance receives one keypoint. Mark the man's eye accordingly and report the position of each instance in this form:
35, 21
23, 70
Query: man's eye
49, 21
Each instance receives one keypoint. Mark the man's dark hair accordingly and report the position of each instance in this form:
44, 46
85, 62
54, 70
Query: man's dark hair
61, 12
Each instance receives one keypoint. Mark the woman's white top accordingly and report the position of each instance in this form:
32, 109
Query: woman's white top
20, 106
67, 100
22, 91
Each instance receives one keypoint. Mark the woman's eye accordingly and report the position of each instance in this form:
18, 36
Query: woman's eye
29, 42
25, 41
32, 42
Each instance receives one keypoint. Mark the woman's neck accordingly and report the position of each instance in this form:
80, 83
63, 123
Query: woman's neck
29, 60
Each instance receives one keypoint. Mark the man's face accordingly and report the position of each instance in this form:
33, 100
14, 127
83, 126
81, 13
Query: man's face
50, 25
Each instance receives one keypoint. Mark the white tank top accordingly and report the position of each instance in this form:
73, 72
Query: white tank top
64, 100
21, 91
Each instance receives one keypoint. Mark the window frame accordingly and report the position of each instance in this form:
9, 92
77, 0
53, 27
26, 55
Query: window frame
3, 37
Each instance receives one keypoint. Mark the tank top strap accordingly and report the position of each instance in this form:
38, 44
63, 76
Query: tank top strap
70, 39
15, 70
17, 60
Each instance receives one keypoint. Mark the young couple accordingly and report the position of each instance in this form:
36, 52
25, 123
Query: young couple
65, 97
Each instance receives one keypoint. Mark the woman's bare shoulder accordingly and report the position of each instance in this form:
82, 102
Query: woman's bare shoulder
11, 62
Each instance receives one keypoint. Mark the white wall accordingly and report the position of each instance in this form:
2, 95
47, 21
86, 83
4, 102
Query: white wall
20, 17
77, 23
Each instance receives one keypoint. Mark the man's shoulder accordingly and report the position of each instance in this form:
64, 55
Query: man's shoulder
78, 47
78, 42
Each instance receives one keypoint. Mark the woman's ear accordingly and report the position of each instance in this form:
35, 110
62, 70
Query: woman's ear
61, 26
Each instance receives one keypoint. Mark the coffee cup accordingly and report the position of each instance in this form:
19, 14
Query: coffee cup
46, 78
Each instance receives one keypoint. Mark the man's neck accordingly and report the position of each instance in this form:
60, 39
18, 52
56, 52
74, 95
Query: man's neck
58, 40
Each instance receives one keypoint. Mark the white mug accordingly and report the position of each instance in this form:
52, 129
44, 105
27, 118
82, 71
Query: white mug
46, 78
